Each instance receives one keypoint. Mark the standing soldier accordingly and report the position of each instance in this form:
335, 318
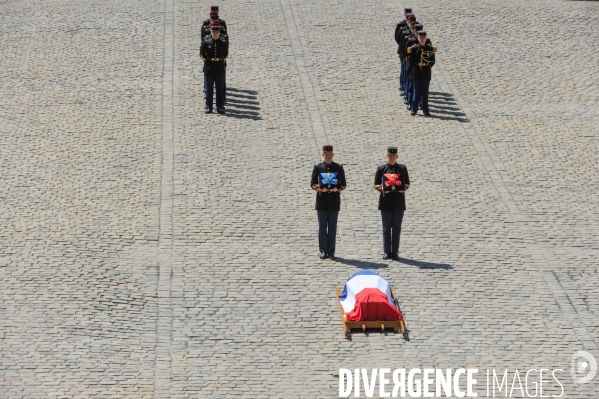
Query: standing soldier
328, 179
422, 59
214, 51
399, 32
402, 34
223, 33
407, 34
392, 181
398, 35
205, 32
410, 40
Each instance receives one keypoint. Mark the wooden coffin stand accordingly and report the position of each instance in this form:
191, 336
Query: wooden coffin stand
396, 325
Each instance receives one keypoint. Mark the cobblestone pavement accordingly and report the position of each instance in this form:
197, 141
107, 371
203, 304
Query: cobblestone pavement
149, 250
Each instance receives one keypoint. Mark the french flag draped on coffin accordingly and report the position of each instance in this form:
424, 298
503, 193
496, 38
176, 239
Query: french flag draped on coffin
367, 297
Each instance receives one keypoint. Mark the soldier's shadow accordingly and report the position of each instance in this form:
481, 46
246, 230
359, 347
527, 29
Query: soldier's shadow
425, 265
361, 264
444, 106
243, 104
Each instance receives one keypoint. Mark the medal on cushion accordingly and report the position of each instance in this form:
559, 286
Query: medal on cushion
328, 180
391, 181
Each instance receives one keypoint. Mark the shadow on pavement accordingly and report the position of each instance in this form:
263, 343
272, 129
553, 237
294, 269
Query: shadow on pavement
377, 331
252, 92
444, 106
448, 118
425, 265
243, 104
240, 114
361, 264
237, 101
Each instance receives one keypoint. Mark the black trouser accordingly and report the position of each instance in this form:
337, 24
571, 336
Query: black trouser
327, 231
420, 97
391, 230
211, 82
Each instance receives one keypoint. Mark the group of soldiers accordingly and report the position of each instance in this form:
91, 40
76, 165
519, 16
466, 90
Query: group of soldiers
214, 52
391, 180
417, 57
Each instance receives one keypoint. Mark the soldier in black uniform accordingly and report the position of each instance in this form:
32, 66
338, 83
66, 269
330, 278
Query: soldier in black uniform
410, 40
402, 24
399, 29
328, 200
392, 181
422, 59
205, 32
214, 51
404, 36
401, 36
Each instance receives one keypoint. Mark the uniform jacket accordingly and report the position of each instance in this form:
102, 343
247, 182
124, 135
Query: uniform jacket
214, 53
391, 201
409, 41
328, 201
398, 30
420, 66
405, 35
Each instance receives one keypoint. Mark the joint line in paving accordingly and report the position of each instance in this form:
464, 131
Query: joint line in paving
309, 94
162, 378
488, 160
347, 239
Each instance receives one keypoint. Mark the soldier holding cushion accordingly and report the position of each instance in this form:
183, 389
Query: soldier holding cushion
392, 181
328, 180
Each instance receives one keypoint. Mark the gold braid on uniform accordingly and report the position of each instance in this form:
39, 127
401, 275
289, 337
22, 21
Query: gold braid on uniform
425, 57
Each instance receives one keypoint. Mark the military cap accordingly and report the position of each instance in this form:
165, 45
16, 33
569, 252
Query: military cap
410, 16
214, 8
407, 10
327, 148
422, 33
418, 27
214, 24
391, 150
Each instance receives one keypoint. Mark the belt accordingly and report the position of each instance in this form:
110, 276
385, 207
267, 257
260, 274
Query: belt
216, 59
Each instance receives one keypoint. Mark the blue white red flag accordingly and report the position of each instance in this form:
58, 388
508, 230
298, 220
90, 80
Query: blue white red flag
367, 297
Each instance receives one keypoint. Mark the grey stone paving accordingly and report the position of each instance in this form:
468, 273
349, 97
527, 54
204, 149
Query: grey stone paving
149, 250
